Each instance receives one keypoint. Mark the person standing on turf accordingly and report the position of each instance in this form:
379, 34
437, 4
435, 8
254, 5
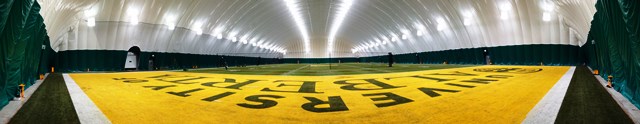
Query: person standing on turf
224, 63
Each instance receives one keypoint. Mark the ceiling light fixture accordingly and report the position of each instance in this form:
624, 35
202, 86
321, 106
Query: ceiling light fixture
294, 9
171, 26
468, 17
546, 17
91, 22
441, 24
504, 10
133, 15
219, 36
547, 8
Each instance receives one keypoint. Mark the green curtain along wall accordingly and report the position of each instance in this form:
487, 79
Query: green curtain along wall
503, 55
23, 35
613, 45
114, 60
320, 60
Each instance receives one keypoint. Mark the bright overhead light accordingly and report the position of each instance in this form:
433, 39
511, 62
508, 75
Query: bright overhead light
233, 39
91, 22
170, 21
198, 31
343, 9
468, 17
171, 26
505, 8
419, 33
404, 37
441, 24
294, 9
441, 27
504, 15
546, 17
197, 27
219, 36
134, 20
467, 22
133, 15
547, 6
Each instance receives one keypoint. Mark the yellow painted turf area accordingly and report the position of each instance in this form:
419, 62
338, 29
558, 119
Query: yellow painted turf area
482, 94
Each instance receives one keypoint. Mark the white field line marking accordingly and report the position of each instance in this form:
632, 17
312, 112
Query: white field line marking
546, 111
87, 111
295, 70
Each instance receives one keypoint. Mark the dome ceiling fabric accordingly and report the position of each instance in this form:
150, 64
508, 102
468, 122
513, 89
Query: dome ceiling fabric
368, 27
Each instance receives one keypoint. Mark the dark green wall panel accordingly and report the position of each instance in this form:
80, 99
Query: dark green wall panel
114, 60
503, 55
613, 45
22, 34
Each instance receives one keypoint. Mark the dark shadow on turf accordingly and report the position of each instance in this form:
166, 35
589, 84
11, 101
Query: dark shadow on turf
587, 101
50, 104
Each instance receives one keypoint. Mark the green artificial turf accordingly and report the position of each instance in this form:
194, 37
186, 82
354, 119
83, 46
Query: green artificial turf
50, 104
325, 69
587, 101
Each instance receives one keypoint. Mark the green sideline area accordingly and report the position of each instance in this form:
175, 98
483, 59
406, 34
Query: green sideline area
325, 69
587, 101
50, 104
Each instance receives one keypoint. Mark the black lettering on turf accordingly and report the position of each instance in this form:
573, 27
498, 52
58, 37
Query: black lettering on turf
395, 99
352, 85
306, 87
219, 96
335, 104
265, 103
185, 93
432, 91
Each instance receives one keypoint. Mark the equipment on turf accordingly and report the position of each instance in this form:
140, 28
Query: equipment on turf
609, 81
21, 90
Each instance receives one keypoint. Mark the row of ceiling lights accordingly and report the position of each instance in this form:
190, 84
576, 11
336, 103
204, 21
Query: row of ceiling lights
132, 14
295, 11
505, 11
343, 9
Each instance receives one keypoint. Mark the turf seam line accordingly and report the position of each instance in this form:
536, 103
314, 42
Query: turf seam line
295, 70
87, 111
12, 108
631, 110
546, 111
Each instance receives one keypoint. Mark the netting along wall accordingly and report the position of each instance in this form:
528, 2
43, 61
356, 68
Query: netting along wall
613, 45
503, 55
114, 60
22, 57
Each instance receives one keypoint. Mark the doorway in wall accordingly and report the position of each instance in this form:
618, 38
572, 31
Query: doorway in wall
131, 62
